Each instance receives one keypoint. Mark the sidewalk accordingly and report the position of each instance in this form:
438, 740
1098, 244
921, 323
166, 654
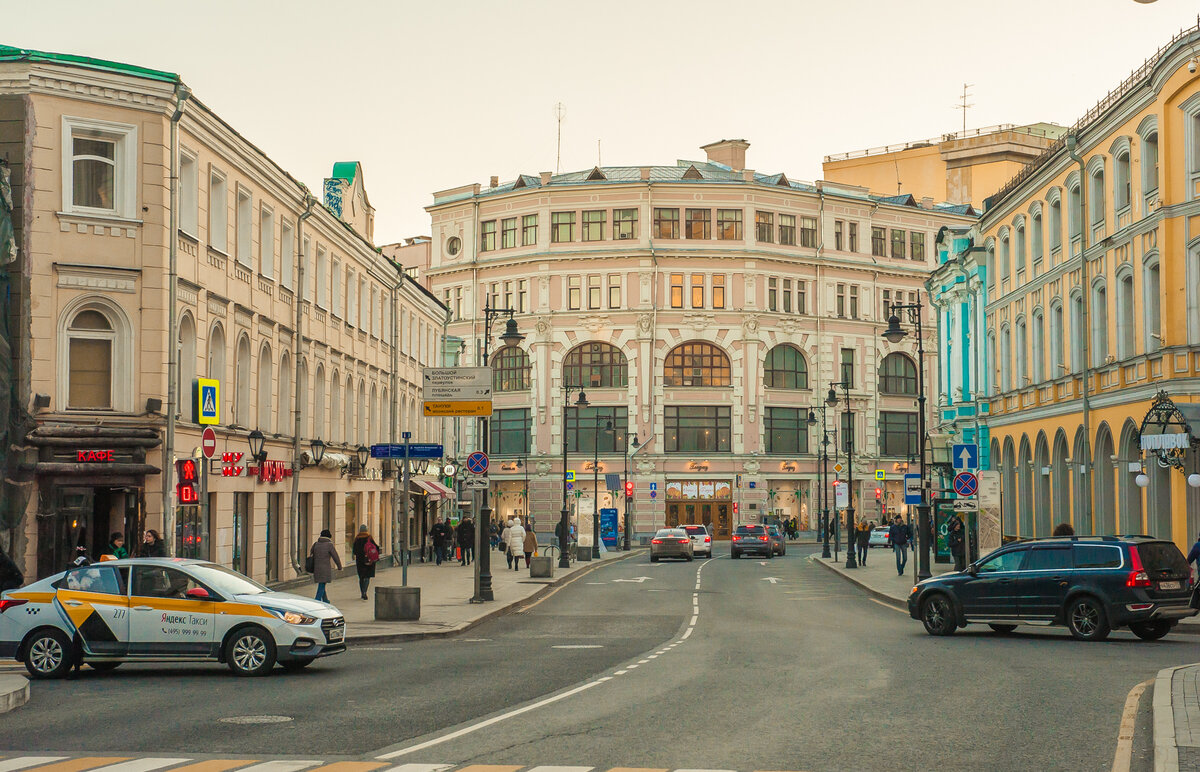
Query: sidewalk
1177, 719
445, 596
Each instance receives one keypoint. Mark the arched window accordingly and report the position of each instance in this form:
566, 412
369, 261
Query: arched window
1036, 236
284, 417
990, 263
1077, 332
96, 349
785, 368
241, 379
363, 415
319, 428
1055, 226
1056, 340
1005, 257
1021, 257
1099, 314
302, 400
697, 364
1073, 225
264, 388
1153, 304
595, 366
1038, 347
510, 370
376, 427
1022, 369
216, 355
897, 375
1005, 358
1121, 180
1096, 194
187, 365
349, 430
1125, 320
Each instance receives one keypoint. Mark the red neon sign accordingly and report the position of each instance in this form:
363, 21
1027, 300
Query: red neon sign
94, 456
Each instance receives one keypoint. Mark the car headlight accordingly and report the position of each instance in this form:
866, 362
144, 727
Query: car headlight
292, 617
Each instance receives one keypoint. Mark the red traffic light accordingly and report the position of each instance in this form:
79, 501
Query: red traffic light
629, 487
735, 507
878, 494
185, 487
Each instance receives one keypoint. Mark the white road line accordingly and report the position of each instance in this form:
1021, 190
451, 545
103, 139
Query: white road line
279, 766
560, 769
9, 765
621, 672
631, 667
887, 605
686, 634
145, 765
418, 768
577, 646
694, 618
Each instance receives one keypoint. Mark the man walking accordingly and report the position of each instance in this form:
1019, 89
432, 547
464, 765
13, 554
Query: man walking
955, 539
439, 533
900, 535
466, 541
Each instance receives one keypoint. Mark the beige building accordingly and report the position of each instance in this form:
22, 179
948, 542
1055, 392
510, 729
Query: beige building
705, 308
280, 297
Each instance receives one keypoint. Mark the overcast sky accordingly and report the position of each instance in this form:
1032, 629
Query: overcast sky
432, 95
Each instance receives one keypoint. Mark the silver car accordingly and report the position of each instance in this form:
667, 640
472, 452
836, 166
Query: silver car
670, 543
701, 539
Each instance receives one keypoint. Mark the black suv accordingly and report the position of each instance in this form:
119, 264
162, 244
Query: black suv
1089, 584
751, 538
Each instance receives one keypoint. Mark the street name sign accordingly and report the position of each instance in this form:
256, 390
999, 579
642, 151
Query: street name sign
965, 456
415, 450
457, 391
912, 489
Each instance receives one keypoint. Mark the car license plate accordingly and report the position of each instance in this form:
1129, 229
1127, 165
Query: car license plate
337, 633
1168, 585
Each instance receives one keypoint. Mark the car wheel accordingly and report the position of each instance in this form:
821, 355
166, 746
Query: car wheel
250, 652
1150, 631
690, 558
1003, 629
770, 554
1086, 619
654, 558
48, 654
938, 615
734, 555
296, 665
103, 667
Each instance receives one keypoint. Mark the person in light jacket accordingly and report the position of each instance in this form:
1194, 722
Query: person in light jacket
508, 554
516, 543
325, 555
530, 545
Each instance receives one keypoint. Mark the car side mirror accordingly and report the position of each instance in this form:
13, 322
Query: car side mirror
972, 569
198, 593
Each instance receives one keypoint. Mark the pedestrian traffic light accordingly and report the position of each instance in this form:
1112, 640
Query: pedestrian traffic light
735, 507
878, 494
185, 487
629, 488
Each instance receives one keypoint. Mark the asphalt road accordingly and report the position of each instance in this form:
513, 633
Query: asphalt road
803, 672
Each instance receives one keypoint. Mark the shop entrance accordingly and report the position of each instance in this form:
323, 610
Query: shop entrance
713, 514
87, 517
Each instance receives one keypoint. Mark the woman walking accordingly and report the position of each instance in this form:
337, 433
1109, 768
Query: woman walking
862, 539
324, 556
366, 555
516, 543
504, 534
530, 544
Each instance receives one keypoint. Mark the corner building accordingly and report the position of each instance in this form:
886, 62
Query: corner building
704, 307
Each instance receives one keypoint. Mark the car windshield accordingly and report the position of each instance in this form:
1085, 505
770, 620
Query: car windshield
226, 581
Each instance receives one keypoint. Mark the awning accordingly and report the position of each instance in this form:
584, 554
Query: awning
436, 490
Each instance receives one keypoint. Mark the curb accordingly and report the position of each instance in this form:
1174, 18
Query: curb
1166, 753
497, 612
14, 692
888, 599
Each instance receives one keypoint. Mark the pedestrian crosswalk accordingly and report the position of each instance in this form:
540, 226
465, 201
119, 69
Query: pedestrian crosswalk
44, 762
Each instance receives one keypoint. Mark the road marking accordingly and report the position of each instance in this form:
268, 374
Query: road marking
214, 765
621, 672
597, 583
368, 766
87, 762
635, 580
409, 768
580, 575
1123, 757
378, 648
771, 579
280, 766
27, 761
577, 646
561, 769
145, 765
887, 605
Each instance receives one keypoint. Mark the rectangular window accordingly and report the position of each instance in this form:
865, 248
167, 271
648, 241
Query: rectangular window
729, 224
718, 290
351, 304
848, 367
245, 213
853, 301
597, 429
337, 288
218, 211
899, 238
787, 229
696, 429
371, 311
666, 223
99, 168
841, 301
787, 296
521, 293
494, 295
508, 233
593, 224
676, 290
786, 430
697, 290
625, 224
699, 223
879, 242
801, 296
764, 227
529, 230
594, 291
458, 302
322, 282
838, 228
808, 231
562, 227
772, 294
887, 304
897, 434
487, 236
510, 432
614, 290
574, 291
189, 194
847, 421
507, 295
852, 245
918, 245
266, 242
287, 252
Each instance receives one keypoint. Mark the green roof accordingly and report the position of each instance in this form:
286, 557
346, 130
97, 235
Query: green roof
13, 54
345, 170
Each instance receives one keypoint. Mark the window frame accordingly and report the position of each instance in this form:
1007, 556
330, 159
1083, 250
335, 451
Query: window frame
697, 364
878, 241
781, 424
895, 379
891, 434
716, 420
504, 425
728, 219
124, 137
119, 336
764, 226
596, 365
787, 230
562, 224
698, 217
666, 221
508, 233
592, 222
529, 229
621, 219
781, 371
512, 370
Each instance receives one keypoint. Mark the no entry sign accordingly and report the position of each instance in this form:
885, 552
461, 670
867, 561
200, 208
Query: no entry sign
208, 442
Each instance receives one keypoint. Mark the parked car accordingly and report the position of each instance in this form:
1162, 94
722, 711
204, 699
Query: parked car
751, 538
670, 543
163, 609
1090, 585
881, 536
701, 539
778, 542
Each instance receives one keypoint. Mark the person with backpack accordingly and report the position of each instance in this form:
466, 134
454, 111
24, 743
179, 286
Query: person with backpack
366, 555
955, 540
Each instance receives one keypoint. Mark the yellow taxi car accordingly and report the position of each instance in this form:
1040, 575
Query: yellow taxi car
163, 609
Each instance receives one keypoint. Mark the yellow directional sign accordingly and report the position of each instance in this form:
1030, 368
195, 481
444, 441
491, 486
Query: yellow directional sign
457, 391
442, 409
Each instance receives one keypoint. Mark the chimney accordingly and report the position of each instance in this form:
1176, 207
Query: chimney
546, 177
495, 183
644, 172
730, 152
927, 202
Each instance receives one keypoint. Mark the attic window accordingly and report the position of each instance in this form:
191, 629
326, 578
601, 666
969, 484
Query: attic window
783, 181
692, 173
520, 183
597, 174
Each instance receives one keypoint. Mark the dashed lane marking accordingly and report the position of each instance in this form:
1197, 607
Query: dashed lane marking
97, 763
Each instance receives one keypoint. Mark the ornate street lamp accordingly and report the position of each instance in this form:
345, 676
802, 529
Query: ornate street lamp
363, 454
256, 439
824, 469
318, 450
564, 524
831, 400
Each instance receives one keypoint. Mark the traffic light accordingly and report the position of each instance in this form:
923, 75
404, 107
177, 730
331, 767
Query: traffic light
629, 488
735, 507
185, 486
878, 494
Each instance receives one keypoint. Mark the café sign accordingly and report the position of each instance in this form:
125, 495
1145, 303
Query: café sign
94, 456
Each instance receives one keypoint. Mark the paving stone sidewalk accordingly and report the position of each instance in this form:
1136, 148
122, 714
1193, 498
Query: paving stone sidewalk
1177, 719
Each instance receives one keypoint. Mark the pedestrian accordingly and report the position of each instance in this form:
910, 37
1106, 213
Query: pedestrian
955, 539
324, 556
116, 546
366, 555
494, 534
516, 543
153, 545
530, 544
862, 539
504, 533
1193, 556
466, 541
10, 576
1064, 529
899, 535
439, 533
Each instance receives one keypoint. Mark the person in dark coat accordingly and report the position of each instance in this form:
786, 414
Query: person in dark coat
153, 545
325, 555
862, 539
10, 576
956, 541
439, 534
366, 554
116, 546
466, 541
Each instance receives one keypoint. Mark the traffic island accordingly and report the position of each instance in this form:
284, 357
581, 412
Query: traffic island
14, 692
397, 604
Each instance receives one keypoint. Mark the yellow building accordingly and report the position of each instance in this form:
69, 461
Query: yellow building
959, 168
1093, 286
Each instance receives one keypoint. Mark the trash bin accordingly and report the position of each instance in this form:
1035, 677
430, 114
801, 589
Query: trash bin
397, 604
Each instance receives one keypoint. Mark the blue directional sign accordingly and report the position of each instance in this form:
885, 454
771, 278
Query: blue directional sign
965, 456
415, 450
477, 462
912, 489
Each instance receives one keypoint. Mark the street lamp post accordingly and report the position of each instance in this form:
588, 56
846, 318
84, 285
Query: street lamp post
894, 334
596, 486
633, 441
483, 555
564, 524
824, 470
831, 399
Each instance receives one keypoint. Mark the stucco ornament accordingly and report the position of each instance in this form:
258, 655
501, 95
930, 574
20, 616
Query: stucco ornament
645, 321
542, 326
645, 466
594, 324
699, 321
543, 468
750, 324
751, 466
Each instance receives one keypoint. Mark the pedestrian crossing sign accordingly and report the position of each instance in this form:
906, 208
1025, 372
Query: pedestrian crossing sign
208, 401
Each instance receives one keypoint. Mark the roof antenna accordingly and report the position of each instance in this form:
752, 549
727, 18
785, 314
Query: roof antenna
963, 105
560, 111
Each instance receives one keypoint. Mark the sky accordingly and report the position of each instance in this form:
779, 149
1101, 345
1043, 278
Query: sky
433, 95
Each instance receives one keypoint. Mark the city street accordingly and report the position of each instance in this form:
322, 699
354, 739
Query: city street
783, 666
